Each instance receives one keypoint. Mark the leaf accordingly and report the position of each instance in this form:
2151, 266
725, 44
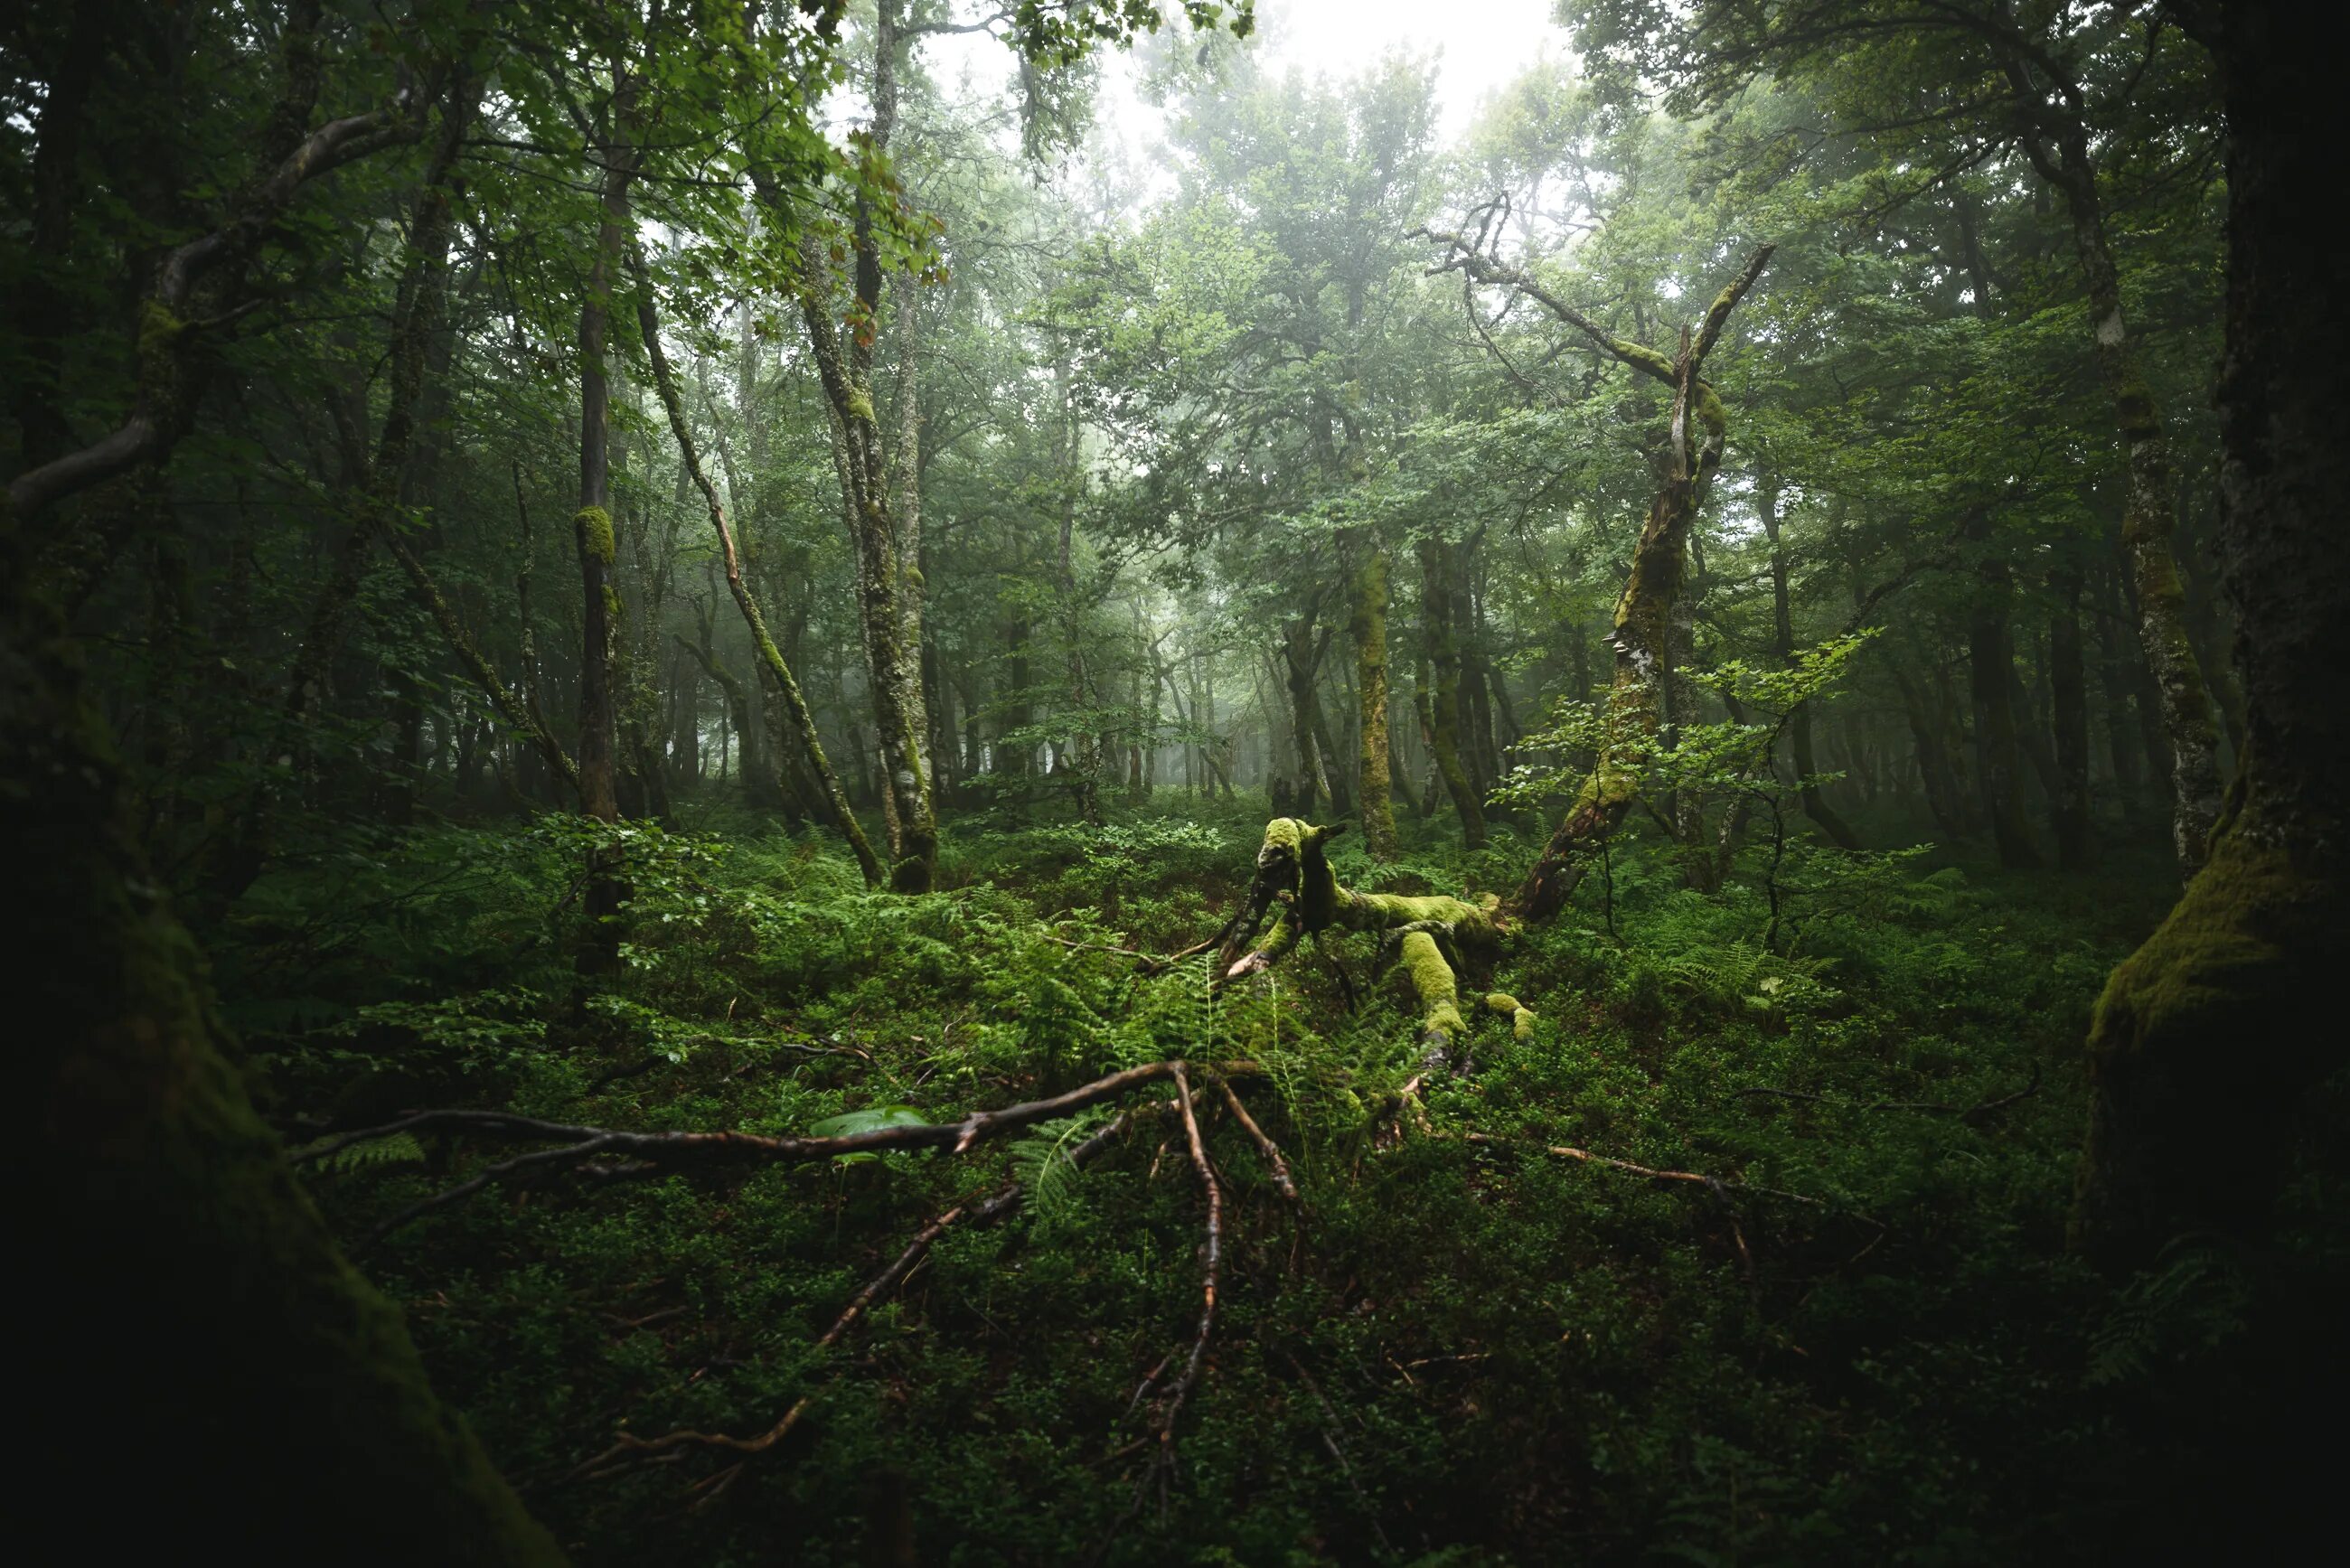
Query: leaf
872, 1118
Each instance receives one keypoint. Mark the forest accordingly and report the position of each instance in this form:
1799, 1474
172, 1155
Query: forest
1122, 781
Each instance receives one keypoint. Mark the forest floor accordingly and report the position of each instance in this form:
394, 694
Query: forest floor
1867, 1343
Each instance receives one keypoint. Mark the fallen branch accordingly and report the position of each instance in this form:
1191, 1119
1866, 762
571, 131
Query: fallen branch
1264, 1145
654, 1152
1713, 1184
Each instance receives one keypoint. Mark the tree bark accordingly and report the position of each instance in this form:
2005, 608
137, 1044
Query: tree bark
771, 657
2063, 158
2203, 1044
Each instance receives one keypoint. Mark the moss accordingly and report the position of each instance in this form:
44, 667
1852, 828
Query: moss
860, 407
1422, 961
1432, 927
2196, 1049
594, 526
159, 328
1522, 1019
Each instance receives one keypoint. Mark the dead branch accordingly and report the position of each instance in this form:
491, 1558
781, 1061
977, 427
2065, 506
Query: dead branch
1713, 1184
652, 1152
1264, 1145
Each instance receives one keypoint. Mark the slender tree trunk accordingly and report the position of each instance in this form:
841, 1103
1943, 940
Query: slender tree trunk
2148, 517
1366, 623
593, 533
1437, 561
1782, 636
2113, 679
1300, 661
2069, 808
1990, 662
778, 672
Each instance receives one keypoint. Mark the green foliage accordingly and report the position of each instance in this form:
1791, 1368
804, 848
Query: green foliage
1483, 1320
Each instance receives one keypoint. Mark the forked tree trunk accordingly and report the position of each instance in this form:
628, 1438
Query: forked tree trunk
1644, 610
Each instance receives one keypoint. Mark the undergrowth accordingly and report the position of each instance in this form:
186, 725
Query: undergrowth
1871, 1345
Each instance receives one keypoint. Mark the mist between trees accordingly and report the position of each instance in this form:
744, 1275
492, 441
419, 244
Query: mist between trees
770, 805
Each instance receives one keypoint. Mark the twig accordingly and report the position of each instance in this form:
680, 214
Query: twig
1264, 1145
1584, 1155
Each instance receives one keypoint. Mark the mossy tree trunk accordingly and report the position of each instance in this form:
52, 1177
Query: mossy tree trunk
593, 531
2058, 145
192, 1292
2209, 1036
1644, 610
864, 456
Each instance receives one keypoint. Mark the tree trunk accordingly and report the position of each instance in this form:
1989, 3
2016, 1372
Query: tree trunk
195, 1298
1644, 610
778, 673
2148, 517
592, 531
1366, 623
1443, 689
2069, 807
1991, 660
1300, 661
1799, 723
2203, 1045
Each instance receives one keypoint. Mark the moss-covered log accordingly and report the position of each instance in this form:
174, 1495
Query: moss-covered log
1431, 937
